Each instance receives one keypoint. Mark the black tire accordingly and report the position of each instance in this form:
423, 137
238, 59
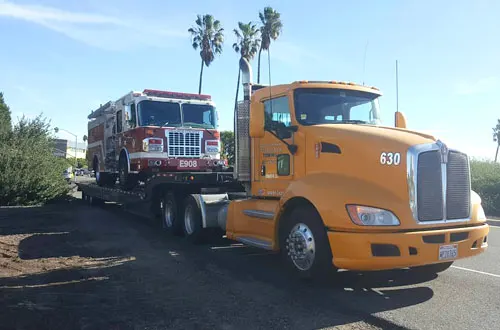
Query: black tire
302, 234
170, 215
192, 223
432, 269
127, 181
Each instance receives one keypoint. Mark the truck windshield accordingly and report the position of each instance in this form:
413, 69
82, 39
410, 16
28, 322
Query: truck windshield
199, 115
315, 106
156, 113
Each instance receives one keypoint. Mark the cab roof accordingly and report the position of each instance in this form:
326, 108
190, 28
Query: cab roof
262, 91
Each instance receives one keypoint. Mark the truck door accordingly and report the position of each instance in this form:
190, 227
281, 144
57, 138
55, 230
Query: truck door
274, 161
273, 166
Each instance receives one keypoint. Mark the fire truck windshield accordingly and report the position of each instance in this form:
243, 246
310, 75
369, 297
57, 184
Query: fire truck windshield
199, 115
163, 114
156, 113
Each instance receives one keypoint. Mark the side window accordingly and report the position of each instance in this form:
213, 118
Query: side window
119, 121
130, 117
277, 111
283, 164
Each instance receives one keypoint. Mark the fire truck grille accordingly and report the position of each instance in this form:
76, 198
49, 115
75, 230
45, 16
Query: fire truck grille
184, 143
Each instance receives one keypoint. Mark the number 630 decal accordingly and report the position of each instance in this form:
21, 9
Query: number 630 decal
390, 158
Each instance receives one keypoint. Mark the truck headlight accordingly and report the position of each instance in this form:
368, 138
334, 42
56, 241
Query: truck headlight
371, 216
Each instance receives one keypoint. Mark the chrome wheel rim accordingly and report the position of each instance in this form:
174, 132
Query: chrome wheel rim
189, 220
168, 214
301, 247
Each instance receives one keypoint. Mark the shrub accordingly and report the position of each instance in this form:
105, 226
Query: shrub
485, 178
29, 172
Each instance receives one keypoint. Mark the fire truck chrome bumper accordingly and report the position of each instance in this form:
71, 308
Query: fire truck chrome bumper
379, 251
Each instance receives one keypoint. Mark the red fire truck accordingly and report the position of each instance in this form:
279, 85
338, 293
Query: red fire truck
144, 133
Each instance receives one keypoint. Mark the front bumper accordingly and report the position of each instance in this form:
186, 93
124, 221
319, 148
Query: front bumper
175, 164
379, 251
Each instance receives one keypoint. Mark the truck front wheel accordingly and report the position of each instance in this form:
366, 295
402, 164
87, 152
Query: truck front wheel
304, 243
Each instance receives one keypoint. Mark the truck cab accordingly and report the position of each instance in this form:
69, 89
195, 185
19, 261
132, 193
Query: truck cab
329, 183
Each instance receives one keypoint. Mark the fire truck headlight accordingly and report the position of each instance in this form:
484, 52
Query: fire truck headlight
152, 145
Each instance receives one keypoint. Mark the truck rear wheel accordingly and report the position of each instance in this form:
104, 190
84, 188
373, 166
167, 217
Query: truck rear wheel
170, 214
193, 227
304, 243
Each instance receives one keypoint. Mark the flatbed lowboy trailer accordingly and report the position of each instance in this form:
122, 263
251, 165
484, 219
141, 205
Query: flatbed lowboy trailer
187, 203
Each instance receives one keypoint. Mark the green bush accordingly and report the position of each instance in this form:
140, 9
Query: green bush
29, 172
485, 178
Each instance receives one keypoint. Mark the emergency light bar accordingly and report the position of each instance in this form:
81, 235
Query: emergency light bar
176, 95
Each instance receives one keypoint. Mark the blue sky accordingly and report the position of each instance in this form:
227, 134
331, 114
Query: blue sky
64, 58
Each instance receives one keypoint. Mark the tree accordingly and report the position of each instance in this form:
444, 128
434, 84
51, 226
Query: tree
247, 45
496, 137
208, 36
227, 139
5, 118
29, 171
269, 30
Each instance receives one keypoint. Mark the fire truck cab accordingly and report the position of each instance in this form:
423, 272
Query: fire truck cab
152, 131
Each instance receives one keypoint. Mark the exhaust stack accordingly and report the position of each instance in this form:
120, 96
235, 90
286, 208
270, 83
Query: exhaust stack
246, 78
242, 168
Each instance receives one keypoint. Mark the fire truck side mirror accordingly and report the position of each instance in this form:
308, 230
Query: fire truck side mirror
256, 119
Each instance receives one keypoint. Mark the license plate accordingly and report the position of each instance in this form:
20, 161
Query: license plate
448, 251
188, 164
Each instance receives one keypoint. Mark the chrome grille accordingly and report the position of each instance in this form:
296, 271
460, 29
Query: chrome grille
458, 186
439, 184
429, 187
184, 143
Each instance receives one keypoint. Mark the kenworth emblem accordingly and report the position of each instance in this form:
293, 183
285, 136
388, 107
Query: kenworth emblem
443, 150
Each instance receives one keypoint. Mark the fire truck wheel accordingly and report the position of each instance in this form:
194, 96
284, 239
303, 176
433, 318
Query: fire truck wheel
170, 214
127, 180
304, 243
193, 228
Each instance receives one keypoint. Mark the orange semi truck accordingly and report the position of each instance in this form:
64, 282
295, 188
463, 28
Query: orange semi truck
320, 179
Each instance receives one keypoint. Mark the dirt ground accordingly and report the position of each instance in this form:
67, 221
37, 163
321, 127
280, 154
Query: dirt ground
73, 266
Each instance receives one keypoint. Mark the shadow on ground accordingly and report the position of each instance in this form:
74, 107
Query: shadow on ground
135, 276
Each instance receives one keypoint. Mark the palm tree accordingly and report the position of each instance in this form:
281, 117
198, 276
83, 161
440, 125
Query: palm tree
208, 36
270, 30
247, 45
496, 137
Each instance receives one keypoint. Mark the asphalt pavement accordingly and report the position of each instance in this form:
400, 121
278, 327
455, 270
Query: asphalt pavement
466, 296
168, 282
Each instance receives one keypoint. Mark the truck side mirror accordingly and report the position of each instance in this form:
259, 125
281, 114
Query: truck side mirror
399, 119
257, 119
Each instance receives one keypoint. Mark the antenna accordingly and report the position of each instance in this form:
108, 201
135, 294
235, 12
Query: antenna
397, 91
269, 66
364, 61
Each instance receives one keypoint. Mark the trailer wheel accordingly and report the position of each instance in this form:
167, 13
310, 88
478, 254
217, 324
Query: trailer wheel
304, 244
170, 214
193, 228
